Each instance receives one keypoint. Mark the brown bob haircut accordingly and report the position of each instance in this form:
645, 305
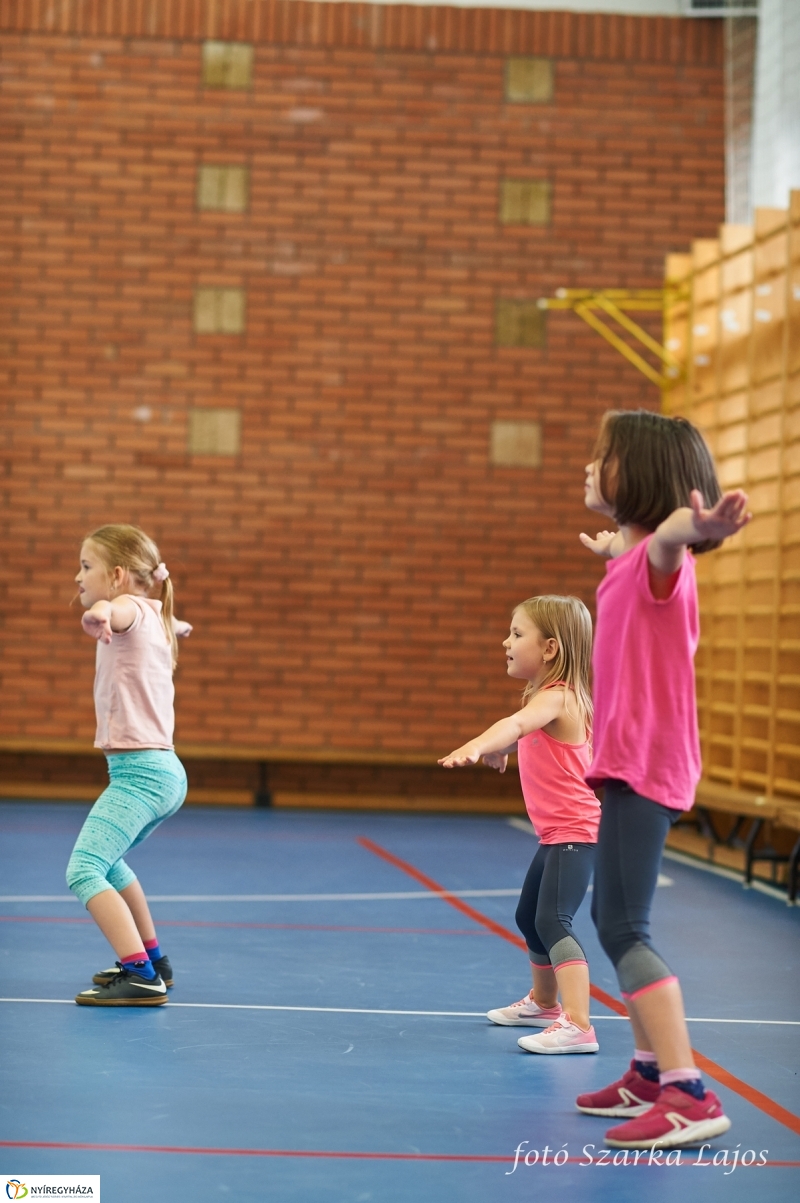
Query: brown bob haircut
649, 465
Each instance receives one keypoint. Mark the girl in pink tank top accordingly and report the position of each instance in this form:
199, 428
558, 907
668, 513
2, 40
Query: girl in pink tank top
549, 646
133, 694
654, 476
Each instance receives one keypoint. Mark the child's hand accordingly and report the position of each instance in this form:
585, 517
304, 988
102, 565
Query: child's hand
182, 629
468, 754
98, 624
727, 517
601, 543
496, 760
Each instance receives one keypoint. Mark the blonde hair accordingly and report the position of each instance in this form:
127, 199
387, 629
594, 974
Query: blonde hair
128, 547
566, 620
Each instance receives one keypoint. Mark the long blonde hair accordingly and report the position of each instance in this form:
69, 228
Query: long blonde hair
130, 548
566, 620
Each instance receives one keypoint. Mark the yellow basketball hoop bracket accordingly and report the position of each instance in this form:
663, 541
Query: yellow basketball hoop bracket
617, 303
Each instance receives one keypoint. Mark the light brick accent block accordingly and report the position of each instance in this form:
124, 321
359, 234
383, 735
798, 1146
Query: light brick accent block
222, 189
219, 311
516, 444
215, 432
525, 202
529, 80
520, 324
227, 64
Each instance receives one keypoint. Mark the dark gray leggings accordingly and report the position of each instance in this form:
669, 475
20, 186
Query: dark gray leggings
633, 831
554, 888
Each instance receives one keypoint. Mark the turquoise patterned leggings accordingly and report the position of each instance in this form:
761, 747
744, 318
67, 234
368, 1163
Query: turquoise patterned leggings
144, 789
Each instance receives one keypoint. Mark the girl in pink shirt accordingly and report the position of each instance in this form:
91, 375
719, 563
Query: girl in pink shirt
655, 477
134, 694
549, 646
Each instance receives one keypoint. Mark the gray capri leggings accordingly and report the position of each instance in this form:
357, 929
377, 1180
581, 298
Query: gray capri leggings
633, 831
554, 888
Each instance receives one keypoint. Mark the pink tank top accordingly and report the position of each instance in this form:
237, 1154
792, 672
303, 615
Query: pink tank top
133, 689
645, 709
559, 803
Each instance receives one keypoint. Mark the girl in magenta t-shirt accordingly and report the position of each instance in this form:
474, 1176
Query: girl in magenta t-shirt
549, 646
654, 476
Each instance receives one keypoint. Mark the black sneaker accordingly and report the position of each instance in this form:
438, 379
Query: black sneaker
161, 966
126, 989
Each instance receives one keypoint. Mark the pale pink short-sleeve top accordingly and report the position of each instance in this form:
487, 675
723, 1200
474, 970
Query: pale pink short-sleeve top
645, 708
134, 694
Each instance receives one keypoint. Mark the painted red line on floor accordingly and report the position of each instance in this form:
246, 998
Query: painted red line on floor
720, 1074
349, 1155
496, 928
356, 1156
762, 1101
405, 931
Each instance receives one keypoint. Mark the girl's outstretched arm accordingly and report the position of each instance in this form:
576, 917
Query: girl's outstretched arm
182, 629
501, 738
695, 524
104, 617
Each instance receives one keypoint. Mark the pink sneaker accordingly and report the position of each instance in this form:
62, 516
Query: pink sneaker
631, 1095
563, 1036
525, 1014
676, 1119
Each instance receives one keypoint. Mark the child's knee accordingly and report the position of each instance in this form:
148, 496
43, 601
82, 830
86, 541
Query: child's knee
120, 876
84, 878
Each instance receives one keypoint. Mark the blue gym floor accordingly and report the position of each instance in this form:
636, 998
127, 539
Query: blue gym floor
332, 1049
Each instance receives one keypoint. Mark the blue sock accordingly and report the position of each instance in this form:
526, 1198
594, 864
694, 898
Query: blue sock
140, 965
152, 949
647, 1069
694, 1087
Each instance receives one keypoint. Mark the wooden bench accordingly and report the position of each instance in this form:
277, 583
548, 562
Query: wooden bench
750, 812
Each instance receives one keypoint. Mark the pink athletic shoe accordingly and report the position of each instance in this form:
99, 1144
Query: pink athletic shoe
676, 1119
563, 1036
525, 1014
631, 1095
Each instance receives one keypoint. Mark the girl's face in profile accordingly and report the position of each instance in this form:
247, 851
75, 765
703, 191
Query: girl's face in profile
92, 579
592, 493
525, 647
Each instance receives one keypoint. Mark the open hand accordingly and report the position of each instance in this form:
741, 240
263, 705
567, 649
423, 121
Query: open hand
97, 625
726, 518
601, 543
468, 754
496, 760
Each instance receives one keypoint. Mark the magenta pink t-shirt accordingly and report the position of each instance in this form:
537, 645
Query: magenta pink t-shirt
645, 709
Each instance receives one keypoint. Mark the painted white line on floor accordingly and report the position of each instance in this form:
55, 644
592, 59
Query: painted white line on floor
511, 892
384, 1011
761, 887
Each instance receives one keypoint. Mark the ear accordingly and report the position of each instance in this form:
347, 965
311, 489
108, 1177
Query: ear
118, 576
550, 649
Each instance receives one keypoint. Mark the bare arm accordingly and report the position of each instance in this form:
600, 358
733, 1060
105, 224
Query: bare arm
695, 524
182, 629
104, 617
501, 738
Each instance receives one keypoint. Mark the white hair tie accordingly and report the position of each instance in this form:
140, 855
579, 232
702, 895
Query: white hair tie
161, 573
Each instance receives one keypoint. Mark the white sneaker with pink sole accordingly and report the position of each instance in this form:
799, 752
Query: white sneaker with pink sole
563, 1036
525, 1014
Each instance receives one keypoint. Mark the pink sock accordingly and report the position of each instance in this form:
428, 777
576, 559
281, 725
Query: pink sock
134, 957
679, 1075
646, 1058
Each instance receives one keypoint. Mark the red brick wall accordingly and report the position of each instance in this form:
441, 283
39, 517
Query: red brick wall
350, 574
